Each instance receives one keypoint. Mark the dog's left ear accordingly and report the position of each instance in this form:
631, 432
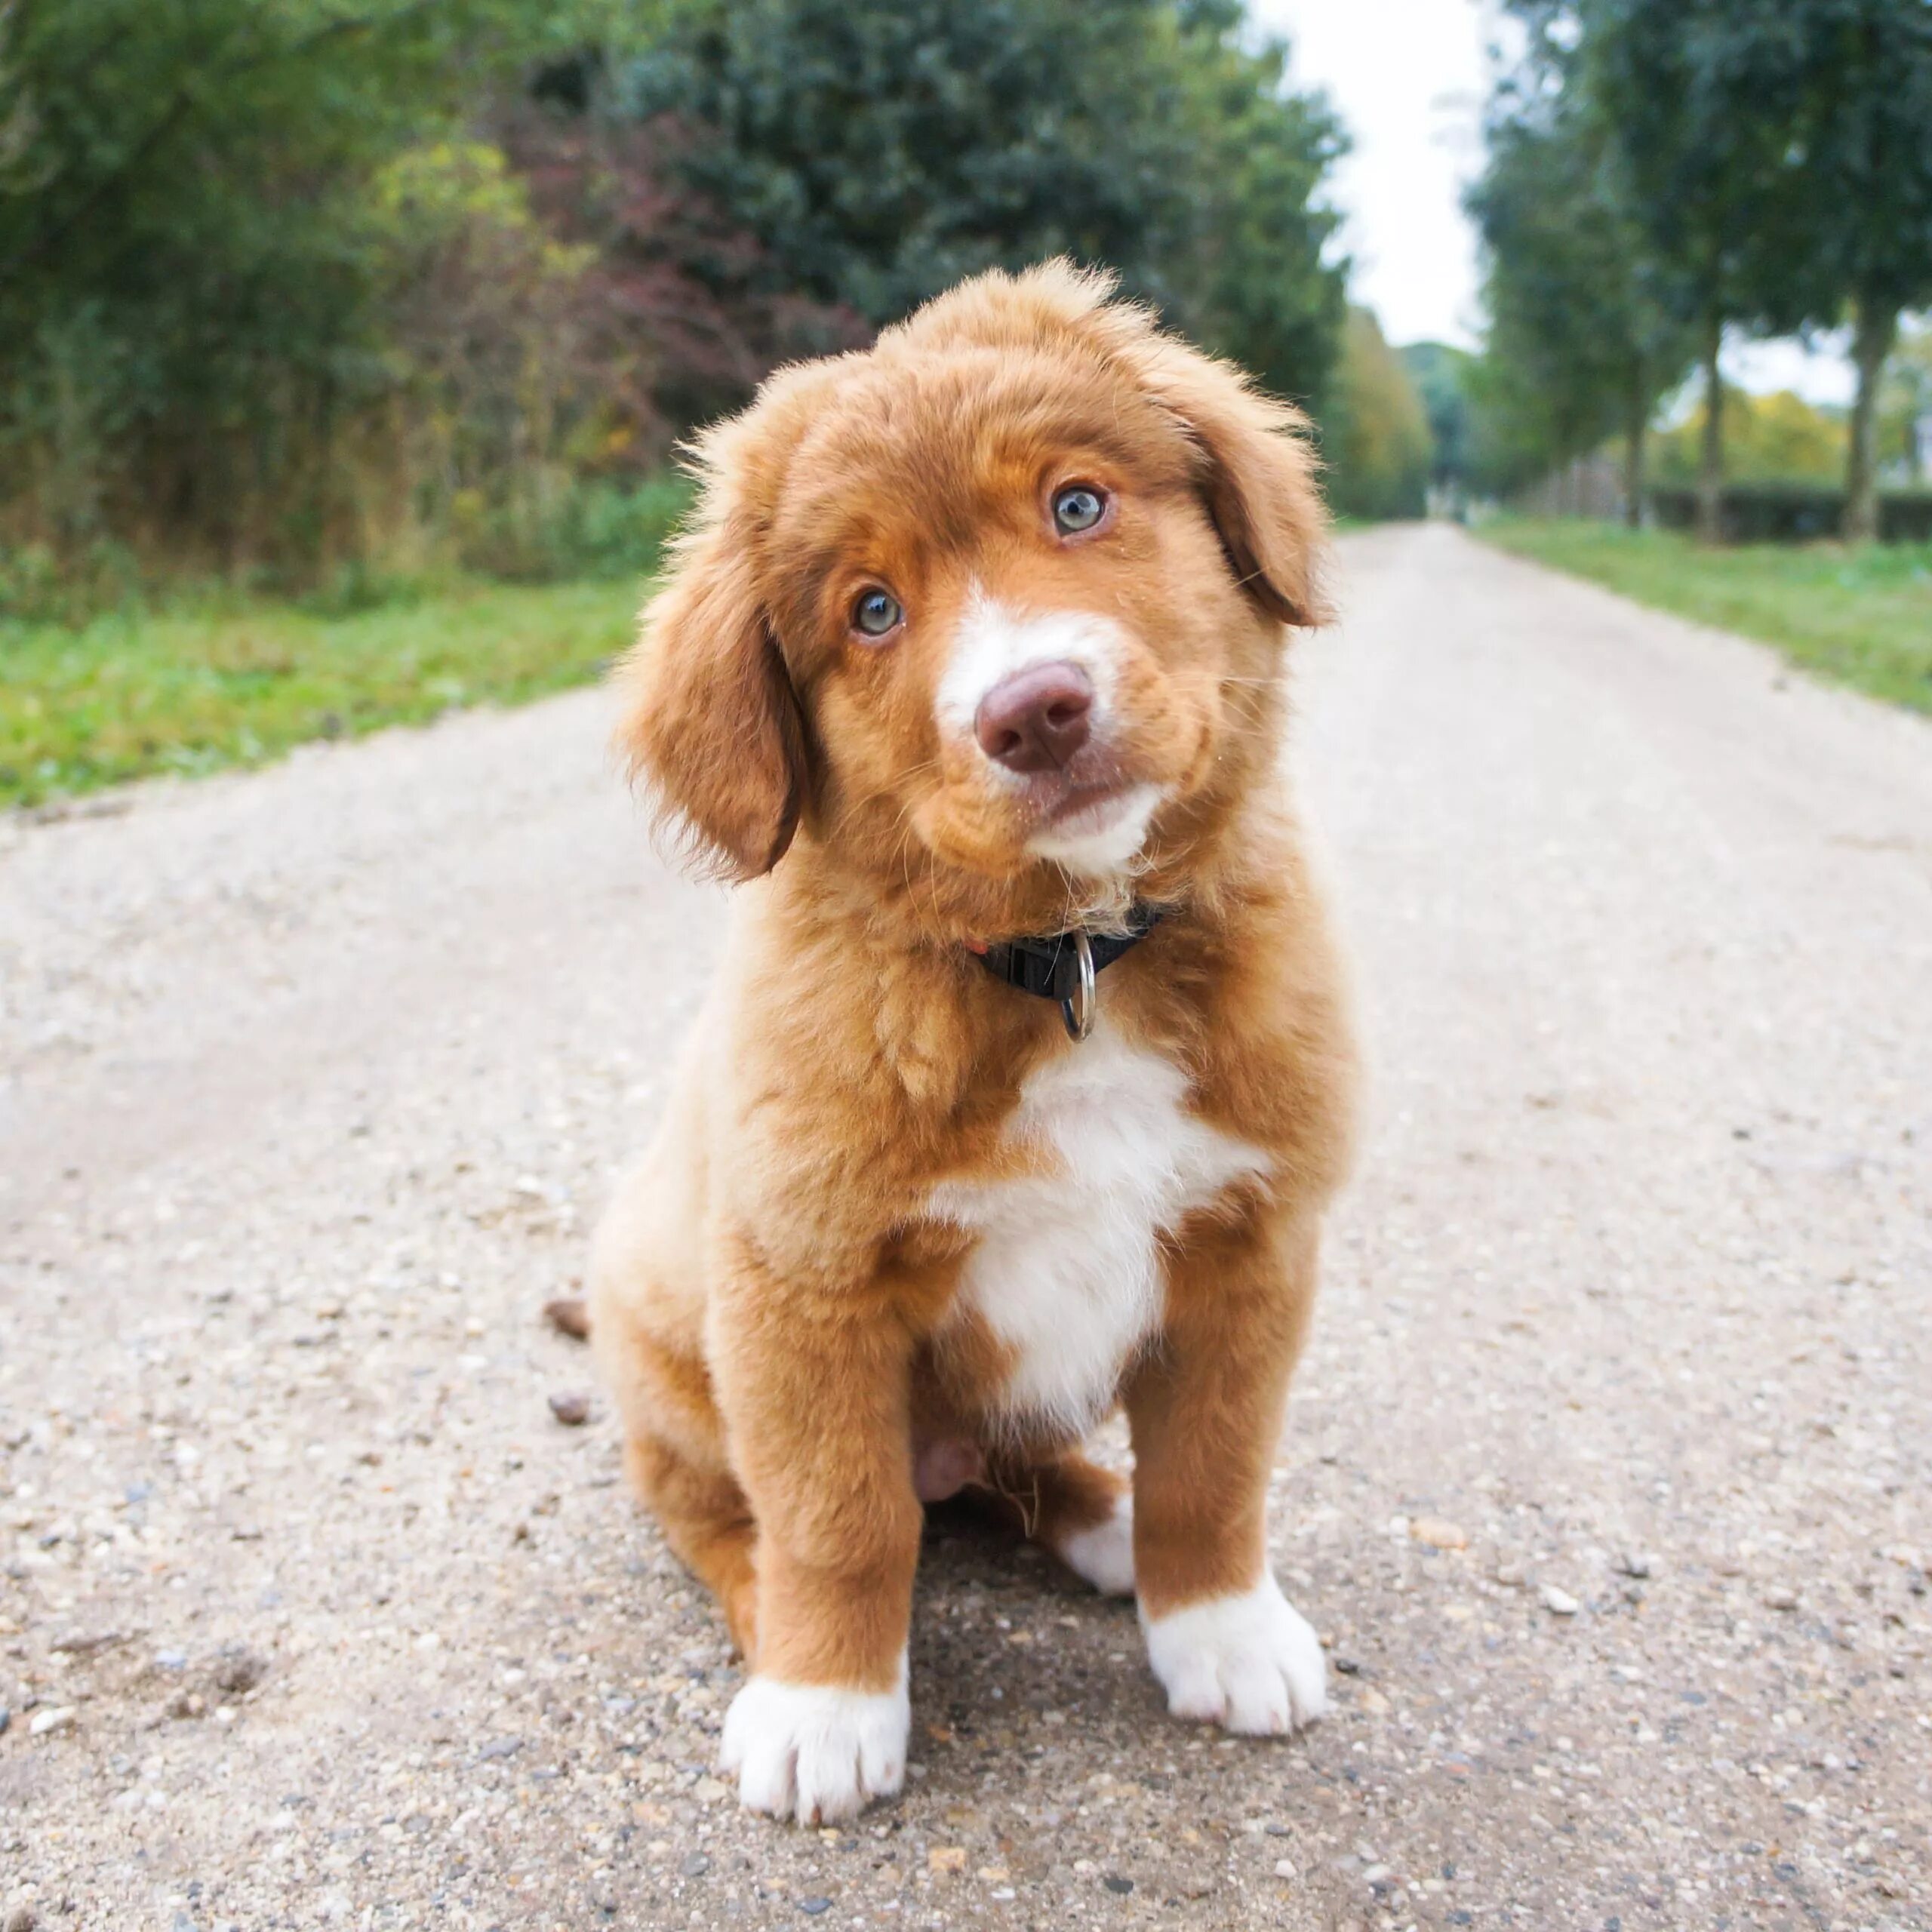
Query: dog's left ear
1256, 475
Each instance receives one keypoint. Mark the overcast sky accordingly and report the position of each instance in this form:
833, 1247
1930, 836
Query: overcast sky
1409, 78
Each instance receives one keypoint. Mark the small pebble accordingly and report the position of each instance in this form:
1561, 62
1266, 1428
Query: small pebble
569, 1316
1559, 1603
239, 1669
946, 1858
59, 1718
813, 1907
1779, 1598
1439, 1533
1637, 1564
1115, 1883
695, 1866
570, 1409
1284, 1868
77, 1645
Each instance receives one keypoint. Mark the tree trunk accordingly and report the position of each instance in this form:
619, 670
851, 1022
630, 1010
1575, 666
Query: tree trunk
1710, 474
1636, 426
1878, 328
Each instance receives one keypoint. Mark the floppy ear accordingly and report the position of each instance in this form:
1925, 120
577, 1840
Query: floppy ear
1257, 474
711, 725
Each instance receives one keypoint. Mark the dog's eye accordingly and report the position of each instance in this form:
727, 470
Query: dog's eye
877, 614
1077, 508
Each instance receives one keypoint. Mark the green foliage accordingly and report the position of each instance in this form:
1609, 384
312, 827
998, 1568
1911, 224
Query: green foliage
1377, 436
878, 150
1702, 99
1582, 338
300, 292
1862, 617
254, 276
1863, 150
1442, 376
174, 245
236, 681
1865, 134
1768, 439
1247, 276
1762, 164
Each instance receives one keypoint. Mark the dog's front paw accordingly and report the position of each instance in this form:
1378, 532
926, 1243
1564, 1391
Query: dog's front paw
1249, 1663
813, 1752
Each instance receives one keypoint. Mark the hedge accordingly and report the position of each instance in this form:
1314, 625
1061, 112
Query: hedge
1795, 512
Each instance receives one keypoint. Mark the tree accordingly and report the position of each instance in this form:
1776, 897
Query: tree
1703, 101
1583, 340
1376, 437
878, 150
185, 267
1865, 135
1441, 374
1244, 272
1776, 438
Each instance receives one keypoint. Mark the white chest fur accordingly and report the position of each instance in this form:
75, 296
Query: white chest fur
1067, 1271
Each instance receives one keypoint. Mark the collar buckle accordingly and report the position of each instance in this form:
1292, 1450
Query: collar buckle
1065, 967
1076, 1008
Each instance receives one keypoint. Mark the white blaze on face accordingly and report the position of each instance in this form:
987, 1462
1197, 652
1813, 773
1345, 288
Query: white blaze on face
992, 643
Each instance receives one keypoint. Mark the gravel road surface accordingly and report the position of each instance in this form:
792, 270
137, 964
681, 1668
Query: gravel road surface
1606, 1479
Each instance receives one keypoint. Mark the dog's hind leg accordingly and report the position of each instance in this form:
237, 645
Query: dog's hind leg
674, 1451
1072, 1506
709, 1525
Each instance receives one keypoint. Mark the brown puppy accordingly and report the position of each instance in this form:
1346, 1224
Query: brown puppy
979, 635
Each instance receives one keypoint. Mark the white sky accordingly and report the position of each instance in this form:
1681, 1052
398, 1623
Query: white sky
1409, 78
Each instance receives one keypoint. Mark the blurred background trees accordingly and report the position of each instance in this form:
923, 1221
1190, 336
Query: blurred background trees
1661, 173
292, 293
310, 293
1376, 433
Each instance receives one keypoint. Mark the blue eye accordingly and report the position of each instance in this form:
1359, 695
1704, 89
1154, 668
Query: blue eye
1077, 507
877, 614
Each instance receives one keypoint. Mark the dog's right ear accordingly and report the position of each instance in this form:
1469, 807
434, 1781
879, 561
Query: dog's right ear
711, 727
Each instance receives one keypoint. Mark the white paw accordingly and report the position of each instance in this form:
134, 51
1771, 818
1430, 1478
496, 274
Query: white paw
813, 1753
1104, 1555
1249, 1663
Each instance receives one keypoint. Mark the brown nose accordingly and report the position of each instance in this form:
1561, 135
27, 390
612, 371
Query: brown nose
1036, 719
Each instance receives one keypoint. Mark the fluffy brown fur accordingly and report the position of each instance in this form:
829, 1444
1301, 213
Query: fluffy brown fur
775, 1301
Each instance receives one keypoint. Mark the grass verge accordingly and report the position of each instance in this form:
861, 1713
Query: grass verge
1862, 616
127, 696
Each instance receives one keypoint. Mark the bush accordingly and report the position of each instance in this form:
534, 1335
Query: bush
593, 529
1795, 512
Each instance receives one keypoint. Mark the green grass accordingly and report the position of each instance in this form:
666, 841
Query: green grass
191, 691
1862, 616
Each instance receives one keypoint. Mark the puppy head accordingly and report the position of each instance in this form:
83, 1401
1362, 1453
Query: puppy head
995, 605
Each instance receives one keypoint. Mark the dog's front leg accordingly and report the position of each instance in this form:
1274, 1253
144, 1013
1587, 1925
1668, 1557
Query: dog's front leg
1206, 1410
813, 1383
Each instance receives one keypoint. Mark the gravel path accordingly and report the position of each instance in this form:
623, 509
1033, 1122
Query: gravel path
1606, 1478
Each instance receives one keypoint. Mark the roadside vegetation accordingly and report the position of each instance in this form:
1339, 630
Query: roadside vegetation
235, 680
1861, 616
330, 331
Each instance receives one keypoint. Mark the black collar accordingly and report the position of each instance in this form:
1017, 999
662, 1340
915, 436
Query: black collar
1063, 967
